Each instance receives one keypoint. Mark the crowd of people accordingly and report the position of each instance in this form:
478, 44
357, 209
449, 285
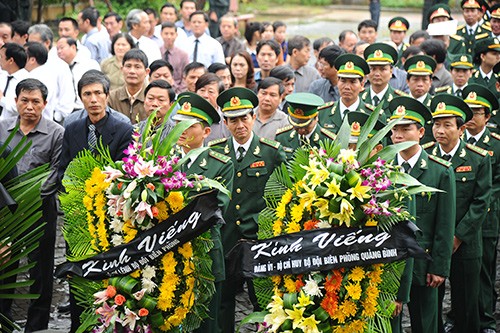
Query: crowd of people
257, 99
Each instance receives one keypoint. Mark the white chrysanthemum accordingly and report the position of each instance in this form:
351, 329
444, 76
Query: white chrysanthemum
148, 285
323, 224
116, 225
312, 289
117, 240
148, 272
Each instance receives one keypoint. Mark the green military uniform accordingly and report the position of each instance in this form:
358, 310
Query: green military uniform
390, 93
252, 168
484, 46
478, 97
211, 165
303, 119
399, 24
459, 61
471, 38
472, 169
330, 117
435, 217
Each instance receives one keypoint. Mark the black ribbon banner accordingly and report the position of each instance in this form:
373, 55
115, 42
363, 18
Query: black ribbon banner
324, 249
196, 218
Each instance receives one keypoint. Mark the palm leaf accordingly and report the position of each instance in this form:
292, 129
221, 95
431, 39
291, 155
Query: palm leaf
166, 145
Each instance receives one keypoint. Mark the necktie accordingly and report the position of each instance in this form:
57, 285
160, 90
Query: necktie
73, 78
303, 140
447, 157
376, 100
241, 153
406, 166
458, 93
137, 44
195, 53
471, 140
167, 54
10, 77
92, 137
225, 48
471, 32
486, 79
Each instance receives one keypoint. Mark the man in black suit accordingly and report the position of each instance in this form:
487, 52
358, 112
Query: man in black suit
85, 133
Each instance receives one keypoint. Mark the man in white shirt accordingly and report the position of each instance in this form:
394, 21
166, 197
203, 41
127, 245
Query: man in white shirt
67, 51
153, 21
200, 46
68, 27
12, 61
97, 42
56, 76
188, 7
138, 26
168, 13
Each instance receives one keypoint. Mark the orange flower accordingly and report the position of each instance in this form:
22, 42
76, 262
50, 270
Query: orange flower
150, 186
120, 185
143, 312
119, 299
310, 225
155, 211
110, 291
299, 283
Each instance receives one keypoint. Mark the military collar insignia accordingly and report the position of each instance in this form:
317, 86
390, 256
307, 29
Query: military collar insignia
226, 149
423, 164
256, 151
486, 139
462, 153
435, 151
203, 163
316, 137
292, 134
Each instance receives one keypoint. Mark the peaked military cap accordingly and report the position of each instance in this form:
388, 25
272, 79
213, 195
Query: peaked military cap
495, 11
411, 110
193, 106
461, 61
472, 4
237, 102
421, 65
446, 105
351, 66
380, 54
356, 121
478, 96
487, 44
439, 10
303, 108
399, 23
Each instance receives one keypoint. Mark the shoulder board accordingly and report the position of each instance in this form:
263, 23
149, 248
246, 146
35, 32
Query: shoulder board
220, 157
476, 149
495, 135
481, 36
216, 142
400, 92
457, 37
440, 161
325, 106
270, 143
428, 145
370, 107
486, 26
328, 133
461, 26
441, 89
283, 129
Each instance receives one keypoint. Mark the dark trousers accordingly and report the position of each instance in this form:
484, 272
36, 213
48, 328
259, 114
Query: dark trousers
464, 281
375, 10
487, 293
423, 308
213, 26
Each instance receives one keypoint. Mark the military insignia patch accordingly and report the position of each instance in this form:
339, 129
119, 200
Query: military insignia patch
203, 163
441, 106
420, 64
186, 107
472, 96
423, 164
401, 110
355, 128
256, 151
378, 53
465, 168
316, 137
258, 164
349, 65
491, 153
462, 153
298, 112
463, 58
226, 149
486, 139
235, 101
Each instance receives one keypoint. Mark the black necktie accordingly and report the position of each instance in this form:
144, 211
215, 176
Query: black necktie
73, 78
241, 153
225, 48
471, 32
10, 77
167, 53
92, 137
376, 100
195, 53
137, 44
303, 140
486, 79
447, 157
458, 93
471, 140
406, 166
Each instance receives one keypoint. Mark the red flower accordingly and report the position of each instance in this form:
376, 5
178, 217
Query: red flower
119, 299
310, 225
110, 291
120, 185
150, 186
299, 283
143, 312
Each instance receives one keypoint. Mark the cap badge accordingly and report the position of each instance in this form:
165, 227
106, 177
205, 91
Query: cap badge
378, 53
472, 96
298, 112
235, 101
355, 127
401, 110
441, 106
349, 65
463, 58
420, 64
441, 11
398, 23
186, 107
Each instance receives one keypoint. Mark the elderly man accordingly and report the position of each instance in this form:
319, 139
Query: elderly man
46, 141
138, 26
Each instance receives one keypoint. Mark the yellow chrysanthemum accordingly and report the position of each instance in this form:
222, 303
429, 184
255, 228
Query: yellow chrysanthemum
162, 211
349, 308
129, 232
178, 316
357, 274
175, 200
293, 227
281, 210
296, 213
289, 284
356, 326
277, 227
353, 290
276, 280
186, 250
135, 274
287, 197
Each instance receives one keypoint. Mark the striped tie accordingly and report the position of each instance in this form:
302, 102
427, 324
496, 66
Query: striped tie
92, 138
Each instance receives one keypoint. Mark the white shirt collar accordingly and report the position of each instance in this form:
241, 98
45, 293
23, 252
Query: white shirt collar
455, 87
477, 136
483, 74
421, 99
452, 152
353, 107
380, 95
413, 160
245, 146
473, 27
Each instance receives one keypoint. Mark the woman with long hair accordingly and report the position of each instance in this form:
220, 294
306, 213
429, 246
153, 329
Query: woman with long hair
242, 70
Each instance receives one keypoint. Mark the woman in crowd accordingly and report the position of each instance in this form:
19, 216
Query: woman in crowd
242, 70
120, 44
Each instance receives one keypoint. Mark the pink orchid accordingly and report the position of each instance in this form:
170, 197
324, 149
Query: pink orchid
130, 319
108, 314
142, 209
111, 173
140, 294
145, 169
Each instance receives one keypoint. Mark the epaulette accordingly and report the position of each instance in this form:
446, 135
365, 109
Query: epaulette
441, 161
477, 150
400, 92
457, 37
370, 107
325, 106
428, 145
283, 129
442, 89
216, 141
220, 157
481, 36
485, 26
495, 135
270, 143
328, 133
460, 27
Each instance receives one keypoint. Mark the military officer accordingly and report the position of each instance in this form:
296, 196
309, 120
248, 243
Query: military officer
435, 212
461, 71
472, 168
441, 12
494, 122
482, 102
487, 55
304, 128
212, 165
381, 58
254, 161
398, 26
351, 71
472, 29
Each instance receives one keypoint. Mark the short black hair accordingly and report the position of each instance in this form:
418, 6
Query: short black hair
93, 76
283, 72
297, 42
193, 65
207, 79
119, 35
74, 23
271, 43
367, 24
91, 14
199, 12
70, 41
434, 48
165, 25
217, 66
136, 54
330, 54
320, 41
157, 64
153, 11
38, 51
359, 43
168, 5
278, 24
411, 51
269, 82
250, 29
31, 85
113, 14
460, 122
16, 52
20, 27
162, 84
419, 34
184, 1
